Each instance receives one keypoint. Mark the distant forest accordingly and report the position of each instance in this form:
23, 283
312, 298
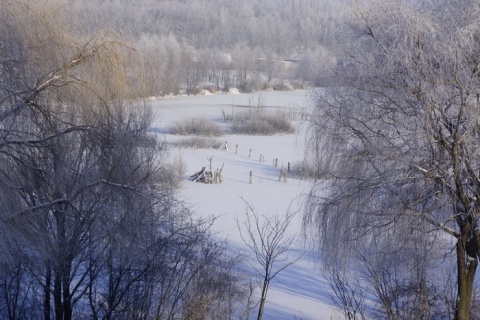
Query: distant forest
250, 44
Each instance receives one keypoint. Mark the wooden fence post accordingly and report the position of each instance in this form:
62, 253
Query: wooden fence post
282, 176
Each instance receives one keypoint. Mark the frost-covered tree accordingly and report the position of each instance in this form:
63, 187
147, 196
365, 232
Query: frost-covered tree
89, 221
169, 30
397, 140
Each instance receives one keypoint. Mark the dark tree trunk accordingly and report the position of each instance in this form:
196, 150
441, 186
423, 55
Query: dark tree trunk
67, 299
46, 297
57, 296
263, 297
466, 267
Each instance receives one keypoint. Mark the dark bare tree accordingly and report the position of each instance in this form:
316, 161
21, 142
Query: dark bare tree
89, 220
346, 293
268, 239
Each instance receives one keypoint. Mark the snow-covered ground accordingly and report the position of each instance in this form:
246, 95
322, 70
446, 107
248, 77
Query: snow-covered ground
299, 292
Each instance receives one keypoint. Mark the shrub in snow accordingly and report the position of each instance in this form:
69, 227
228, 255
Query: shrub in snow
210, 88
198, 143
196, 127
282, 86
257, 122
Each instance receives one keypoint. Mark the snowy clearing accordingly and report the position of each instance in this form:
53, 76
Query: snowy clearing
299, 292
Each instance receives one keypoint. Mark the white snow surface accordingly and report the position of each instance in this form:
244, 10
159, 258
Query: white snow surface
298, 292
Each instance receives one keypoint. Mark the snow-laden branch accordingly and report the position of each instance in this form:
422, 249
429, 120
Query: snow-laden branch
43, 205
4, 142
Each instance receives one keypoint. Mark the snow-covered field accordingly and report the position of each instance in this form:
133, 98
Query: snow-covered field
299, 292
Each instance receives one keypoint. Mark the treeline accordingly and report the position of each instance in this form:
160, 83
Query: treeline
89, 221
249, 44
